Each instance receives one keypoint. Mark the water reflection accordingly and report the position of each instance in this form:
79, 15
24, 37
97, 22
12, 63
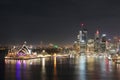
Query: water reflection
24, 62
18, 71
82, 68
43, 69
90, 63
57, 68
55, 71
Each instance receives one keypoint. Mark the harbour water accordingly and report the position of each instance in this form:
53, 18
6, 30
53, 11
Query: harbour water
60, 68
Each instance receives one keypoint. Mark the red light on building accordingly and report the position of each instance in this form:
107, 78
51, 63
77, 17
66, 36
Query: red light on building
82, 24
97, 32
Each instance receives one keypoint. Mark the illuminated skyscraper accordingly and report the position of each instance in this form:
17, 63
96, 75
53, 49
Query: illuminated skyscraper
103, 43
97, 41
84, 35
79, 37
82, 38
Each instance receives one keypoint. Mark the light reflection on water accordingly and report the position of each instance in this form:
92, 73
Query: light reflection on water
18, 71
80, 68
43, 69
82, 65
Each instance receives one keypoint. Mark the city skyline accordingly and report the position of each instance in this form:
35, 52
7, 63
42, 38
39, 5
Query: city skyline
56, 22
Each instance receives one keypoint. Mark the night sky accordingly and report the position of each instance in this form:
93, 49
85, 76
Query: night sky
56, 21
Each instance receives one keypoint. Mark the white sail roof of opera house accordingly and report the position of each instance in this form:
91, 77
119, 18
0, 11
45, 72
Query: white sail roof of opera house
23, 51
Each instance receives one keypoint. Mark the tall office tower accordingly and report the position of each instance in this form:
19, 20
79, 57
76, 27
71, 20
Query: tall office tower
79, 36
97, 41
84, 33
97, 34
83, 38
103, 43
80, 33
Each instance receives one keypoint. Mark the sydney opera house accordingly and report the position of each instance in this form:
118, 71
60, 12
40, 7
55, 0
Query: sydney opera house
23, 53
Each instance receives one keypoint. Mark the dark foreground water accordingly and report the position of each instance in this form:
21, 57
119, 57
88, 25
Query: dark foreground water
81, 68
